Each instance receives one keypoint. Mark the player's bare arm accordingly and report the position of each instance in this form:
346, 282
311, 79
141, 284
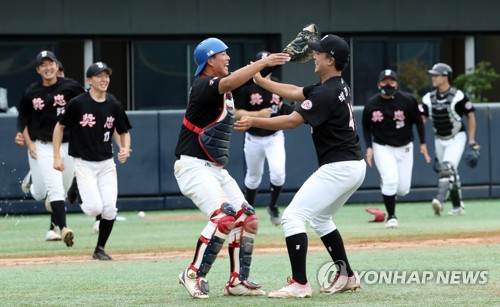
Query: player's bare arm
124, 153
57, 138
266, 113
242, 75
471, 128
31, 146
276, 123
369, 156
423, 150
19, 139
288, 91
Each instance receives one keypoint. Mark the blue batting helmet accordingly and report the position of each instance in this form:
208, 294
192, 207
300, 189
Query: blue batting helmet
205, 50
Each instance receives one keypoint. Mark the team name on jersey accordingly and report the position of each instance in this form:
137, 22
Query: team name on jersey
38, 103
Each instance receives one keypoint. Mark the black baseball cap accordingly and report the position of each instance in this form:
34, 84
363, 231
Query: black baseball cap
45, 55
334, 45
262, 54
387, 73
98, 68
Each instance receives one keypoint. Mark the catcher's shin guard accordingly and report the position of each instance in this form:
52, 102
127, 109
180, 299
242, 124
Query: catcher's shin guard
456, 194
210, 253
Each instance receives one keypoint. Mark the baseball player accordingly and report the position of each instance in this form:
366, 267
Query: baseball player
327, 108
39, 109
202, 152
388, 120
446, 105
91, 119
262, 144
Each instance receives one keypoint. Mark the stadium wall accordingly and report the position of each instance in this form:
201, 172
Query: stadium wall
146, 181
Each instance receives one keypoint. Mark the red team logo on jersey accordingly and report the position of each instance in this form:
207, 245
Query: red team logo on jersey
59, 100
87, 120
306, 105
109, 122
256, 99
38, 103
377, 116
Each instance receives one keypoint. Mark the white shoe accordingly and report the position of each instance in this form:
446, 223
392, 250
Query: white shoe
242, 289
437, 206
293, 289
392, 223
194, 284
457, 211
95, 227
26, 183
341, 284
52, 236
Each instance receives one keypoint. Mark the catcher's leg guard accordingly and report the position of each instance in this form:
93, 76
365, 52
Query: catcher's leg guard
456, 193
446, 175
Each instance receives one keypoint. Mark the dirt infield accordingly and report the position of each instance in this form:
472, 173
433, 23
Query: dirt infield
486, 238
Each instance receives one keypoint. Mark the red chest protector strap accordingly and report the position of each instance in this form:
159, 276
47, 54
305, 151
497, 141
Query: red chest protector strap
192, 126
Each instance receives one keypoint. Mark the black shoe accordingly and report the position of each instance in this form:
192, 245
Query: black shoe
73, 193
100, 254
274, 213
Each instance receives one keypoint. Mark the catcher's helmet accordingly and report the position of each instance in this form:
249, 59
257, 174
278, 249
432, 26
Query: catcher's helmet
441, 69
205, 50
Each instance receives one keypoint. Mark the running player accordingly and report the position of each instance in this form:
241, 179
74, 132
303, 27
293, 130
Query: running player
388, 120
39, 109
327, 108
202, 152
446, 105
262, 144
91, 119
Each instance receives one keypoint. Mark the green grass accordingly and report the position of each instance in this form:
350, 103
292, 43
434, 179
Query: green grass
153, 281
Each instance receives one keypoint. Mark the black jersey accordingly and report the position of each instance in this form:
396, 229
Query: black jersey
205, 105
254, 98
41, 106
390, 121
92, 124
328, 109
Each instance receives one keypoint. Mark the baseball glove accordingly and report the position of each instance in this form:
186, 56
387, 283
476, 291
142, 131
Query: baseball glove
472, 155
298, 48
379, 215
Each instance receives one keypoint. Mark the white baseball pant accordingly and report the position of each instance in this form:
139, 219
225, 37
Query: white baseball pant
259, 148
98, 187
451, 150
47, 181
321, 196
395, 165
209, 186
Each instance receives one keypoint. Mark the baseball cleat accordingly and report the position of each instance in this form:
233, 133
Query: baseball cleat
100, 254
245, 288
342, 284
52, 236
437, 206
293, 289
194, 284
274, 214
67, 236
392, 223
457, 211
26, 183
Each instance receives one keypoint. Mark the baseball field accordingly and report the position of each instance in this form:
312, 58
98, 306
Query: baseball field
427, 261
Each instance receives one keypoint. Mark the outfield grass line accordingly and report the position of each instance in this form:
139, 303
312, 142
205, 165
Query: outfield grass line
457, 240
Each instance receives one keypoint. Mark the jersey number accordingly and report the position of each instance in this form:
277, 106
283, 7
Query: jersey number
106, 136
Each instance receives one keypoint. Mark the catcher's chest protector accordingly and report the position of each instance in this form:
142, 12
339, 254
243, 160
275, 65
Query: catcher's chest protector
215, 138
446, 121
